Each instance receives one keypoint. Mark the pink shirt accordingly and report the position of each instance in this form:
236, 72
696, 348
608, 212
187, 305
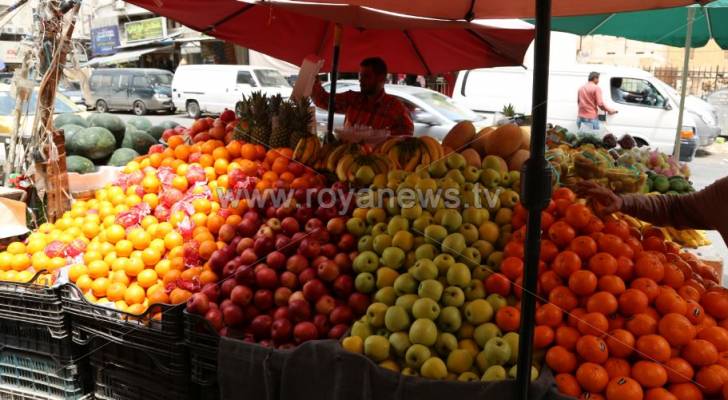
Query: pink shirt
590, 100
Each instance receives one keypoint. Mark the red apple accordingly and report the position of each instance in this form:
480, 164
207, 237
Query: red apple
241, 295
244, 243
251, 311
297, 295
299, 310
289, 279
329, 250
199, 304
341, 315
313, 225
338, 331
296, 263
245, 275
283, 244
322, 324
280, 330
328, 271
347, 242
358, 303
303, 214
248, 256
212, 291
263, 299
274, 223
232, 315
290, 225
276, 260
266, 278
264, 244
336, 225
344, 263
261, 326
214, 318
343, 286
307, 275
309, 248
247, 227
281, 313
304, 331
325, 304
226, 287
281, 296
314, 289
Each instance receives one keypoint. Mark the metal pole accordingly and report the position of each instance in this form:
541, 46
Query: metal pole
683, 89
535, 192
332, 90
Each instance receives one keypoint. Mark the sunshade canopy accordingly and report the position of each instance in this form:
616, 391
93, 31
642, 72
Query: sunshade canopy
290, 31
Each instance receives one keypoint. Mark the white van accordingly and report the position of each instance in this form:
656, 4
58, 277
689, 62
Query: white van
212, 88
648, 112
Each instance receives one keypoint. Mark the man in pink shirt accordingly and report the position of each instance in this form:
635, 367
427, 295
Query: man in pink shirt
590, 101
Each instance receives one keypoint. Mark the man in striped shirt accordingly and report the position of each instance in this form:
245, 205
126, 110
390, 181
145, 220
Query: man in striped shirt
371, 106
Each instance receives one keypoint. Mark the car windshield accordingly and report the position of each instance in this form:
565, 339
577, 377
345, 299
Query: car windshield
160, 79
7, 105
271, 78
446, 106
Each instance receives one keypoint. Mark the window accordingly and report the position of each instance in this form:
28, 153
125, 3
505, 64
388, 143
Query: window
245, 78
140, 81
635, 91
271, 78
446, 106
160, 79
99, 82
121, 82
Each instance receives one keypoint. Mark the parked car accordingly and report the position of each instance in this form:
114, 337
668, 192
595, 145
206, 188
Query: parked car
719, 100
131, 89
72, 90
650, 113
705, 115
7, 108
433, 113
212, 88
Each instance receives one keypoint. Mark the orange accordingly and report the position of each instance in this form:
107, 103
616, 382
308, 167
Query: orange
151, 184
171, 276
98, 269
136, 309
270, 176
158, 296
208, 276
115, 291
91, 256
16, 248
221, 153
99, 286
201, 205
206, 160
136, 265
120, 277
207, 248
150, 257
248, 151
173, 239
147, 278
162, 267
140, 238
214, 222
190, 273
182, 152
119, 264
114, 233
134, 294
75, 271
178, 296
561, 360
234, 148
180, 183
199, 219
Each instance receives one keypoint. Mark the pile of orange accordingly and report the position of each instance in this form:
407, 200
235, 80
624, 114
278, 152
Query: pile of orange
625, 316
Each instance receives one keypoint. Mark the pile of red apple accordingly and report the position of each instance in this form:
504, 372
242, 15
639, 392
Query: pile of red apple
286, 278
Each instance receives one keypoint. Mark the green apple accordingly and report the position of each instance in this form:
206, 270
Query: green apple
404, 240
366, 261
494, 260
512, 339
393, 257
506, 180
431, 289
469, 232
365, 243
434, 368
399, 343
424, 269
406, 301
456, 176
459, 361
471, 215
392, 204
494, 373
425, 308
376, 215
438, 168
455, 161
449, 319
412, 212
509, 198
381, 242
514, 371
443, 262
496, 163
459, 275
471, 173
451, 220
470, 257
407, 371
421, 223
435, 234
396, 224
478, 311
385, 295
496, 301
376, 347
423, 331
480, 272
453, 244
361, 329
386, 277
396, 319
446, 342
425, 251
364, 282
356, 226
453, 296
375, 314
405, 284
416, 355
484, 332
379, 229
483, 247
474, 291
409, 259
490, 178
468, 376
497, 351
503, 216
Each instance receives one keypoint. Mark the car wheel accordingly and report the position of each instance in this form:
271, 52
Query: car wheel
139, 108
641, 142
193, 109
101, 106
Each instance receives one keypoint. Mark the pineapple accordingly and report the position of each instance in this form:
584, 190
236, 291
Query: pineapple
301, 126
260, 128
279, 136
244, 112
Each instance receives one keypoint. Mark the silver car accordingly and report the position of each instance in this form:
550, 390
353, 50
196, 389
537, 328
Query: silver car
433, 113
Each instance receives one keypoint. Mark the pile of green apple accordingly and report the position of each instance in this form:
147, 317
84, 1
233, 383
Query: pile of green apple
424, 265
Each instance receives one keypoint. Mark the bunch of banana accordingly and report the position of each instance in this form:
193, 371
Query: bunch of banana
341, 150
307, 150
687, 237
323, 155
407, 153
360, 168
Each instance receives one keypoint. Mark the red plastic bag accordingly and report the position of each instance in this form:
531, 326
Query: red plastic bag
134, 215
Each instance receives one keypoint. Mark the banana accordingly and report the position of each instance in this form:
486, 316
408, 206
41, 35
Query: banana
433, 147
413, 160
385, 146
393, 155
426, 157
343, 166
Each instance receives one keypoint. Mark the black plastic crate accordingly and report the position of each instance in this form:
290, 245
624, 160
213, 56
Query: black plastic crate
34, 303
19, 335
203, 342
123, 373
28, 375
158, 332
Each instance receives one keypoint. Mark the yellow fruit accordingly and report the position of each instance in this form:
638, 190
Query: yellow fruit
136, 309
201, 205
90, 256
136, 265
75, 271
158, 245
67, 237
354, 344
148, 221
20, 262
121, 208
6, 259
90, 229
151, 256
84, 283
177, 217
151, 184
98, 269
11, 275
115, 291
121, 305
151, 199
46, 227
16, 248
114, 233
134, 294
110, 258
56, 263
163, 228
147, 278
132, 200
162, 267
120, 277
140, 238
130, 167
124, 248
120, 264
199, 219
99, 286
89, 296
35, 245
24, 276
40, 261
106, 248
173, 239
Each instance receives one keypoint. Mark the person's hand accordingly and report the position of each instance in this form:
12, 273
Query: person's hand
606, 202
612, 112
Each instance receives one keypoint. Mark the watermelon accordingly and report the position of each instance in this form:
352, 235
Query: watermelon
79, 164
169, 124
68, 131
141, 123
156, 131
94, 143
70, 118
122, 156
138, 140
112, 123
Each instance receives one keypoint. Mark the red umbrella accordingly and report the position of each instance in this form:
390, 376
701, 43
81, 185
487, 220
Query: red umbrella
290, 31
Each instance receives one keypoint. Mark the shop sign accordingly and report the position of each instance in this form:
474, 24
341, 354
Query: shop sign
10, 52
147, 29
104, 40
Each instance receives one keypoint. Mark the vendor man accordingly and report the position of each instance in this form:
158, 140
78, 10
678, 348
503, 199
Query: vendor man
371, 106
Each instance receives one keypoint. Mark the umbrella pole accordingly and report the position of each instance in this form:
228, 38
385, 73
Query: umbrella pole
683, 89
332, 89
535, 193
